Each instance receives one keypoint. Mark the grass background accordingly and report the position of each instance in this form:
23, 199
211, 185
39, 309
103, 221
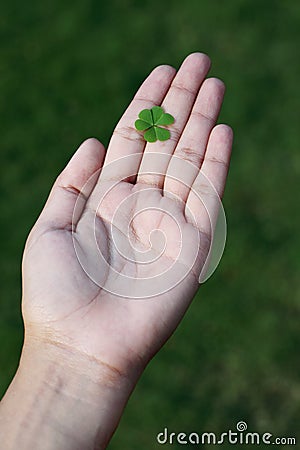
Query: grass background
68, 69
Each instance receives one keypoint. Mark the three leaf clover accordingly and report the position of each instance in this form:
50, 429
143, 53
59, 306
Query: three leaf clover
149, 121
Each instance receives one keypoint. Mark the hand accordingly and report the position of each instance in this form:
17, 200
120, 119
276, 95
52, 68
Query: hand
114, 259
61, 302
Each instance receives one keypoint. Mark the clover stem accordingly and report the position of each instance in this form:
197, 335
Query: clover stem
152, 117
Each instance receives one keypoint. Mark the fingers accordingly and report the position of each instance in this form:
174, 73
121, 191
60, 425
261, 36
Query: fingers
203, 201
217, 157
126, 140
73, 187
189, 152
178, 102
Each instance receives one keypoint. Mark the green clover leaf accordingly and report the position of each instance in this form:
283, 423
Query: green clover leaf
150, 120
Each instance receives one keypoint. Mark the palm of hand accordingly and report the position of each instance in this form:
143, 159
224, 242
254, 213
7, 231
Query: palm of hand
84, 287
72, 301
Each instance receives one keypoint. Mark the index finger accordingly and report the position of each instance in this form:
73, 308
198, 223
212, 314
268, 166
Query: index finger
125, 139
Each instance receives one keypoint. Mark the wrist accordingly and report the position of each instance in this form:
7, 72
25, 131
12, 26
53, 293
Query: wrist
62, 399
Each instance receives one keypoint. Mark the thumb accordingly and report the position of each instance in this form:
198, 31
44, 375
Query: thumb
71, 186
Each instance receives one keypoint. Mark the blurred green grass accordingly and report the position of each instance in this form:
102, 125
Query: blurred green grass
67, 72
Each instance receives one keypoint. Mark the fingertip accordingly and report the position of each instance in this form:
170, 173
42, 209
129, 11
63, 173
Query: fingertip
92, 142
164, 69
223, 133
87, 158
90, 150
216, 82
161, 75
195, 59
198, 58
198, 55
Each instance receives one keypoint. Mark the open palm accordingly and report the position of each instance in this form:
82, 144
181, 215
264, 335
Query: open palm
114, 259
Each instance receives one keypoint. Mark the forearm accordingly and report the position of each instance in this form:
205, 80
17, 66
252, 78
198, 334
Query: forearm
52, 404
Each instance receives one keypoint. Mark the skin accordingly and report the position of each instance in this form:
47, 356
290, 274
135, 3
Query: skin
86, 345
